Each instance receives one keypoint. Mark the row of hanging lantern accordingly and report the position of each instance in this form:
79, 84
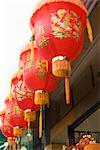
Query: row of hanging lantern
58, 38
37, 77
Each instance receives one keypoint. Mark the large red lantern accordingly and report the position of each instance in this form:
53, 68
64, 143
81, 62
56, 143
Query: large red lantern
37, 76
59, 32
14, 115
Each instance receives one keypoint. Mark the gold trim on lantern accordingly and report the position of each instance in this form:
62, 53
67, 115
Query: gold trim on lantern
29, 115
61, 66
59, 58
40, 91
41, 97
17, 131
11, 141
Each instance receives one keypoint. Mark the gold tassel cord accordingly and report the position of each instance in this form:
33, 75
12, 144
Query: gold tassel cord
89, 30
67, 90
40, 123
19, 70
32, 51
28, 127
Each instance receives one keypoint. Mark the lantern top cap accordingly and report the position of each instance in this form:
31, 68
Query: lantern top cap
17, 127
11, 138
29, 110
43, 2
40, 91
59, 58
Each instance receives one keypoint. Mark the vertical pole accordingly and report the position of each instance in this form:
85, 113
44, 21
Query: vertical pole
20, 143
40, 143
44, 132
33, 138
71, 135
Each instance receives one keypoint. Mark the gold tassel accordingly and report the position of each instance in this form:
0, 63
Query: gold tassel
67, 90
10, 96
89, 30
32, 51
40, 123
28, 127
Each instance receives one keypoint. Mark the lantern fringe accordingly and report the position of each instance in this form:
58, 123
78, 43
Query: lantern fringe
89, 30
67, 90
40, 3
40, 123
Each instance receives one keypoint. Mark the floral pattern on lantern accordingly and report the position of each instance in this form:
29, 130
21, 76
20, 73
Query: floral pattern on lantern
15, 115
41, 66
22, 92
17, 111
66, 24
44, 39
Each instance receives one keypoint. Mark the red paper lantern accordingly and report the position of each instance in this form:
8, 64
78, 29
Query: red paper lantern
60, 30
25, 99
36, 73
15, 115
7, 128
23, 96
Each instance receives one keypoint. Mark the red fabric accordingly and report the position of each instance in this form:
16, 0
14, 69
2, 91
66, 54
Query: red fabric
68, 46
32, 76
7, 129
21, 94
15, 115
